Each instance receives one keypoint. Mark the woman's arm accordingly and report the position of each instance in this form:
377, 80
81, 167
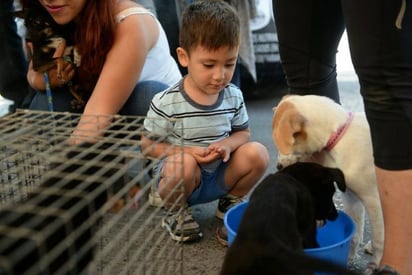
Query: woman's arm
134, 37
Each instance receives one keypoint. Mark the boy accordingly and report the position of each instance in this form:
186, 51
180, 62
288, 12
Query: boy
219, 160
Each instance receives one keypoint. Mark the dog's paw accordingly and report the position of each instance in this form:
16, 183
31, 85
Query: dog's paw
354, 253
289, 159
368, 248
354, 257
285, 160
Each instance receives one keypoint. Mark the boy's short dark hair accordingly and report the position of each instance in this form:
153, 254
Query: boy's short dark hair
212, 24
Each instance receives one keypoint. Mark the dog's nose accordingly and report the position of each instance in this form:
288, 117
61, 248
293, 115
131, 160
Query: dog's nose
279, 166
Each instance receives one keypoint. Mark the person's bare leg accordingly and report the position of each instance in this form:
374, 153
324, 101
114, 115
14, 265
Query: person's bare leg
395, 188
170, 186
247, 165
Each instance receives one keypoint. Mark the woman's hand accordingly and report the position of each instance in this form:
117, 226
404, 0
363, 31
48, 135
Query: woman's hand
58, 75
90, 129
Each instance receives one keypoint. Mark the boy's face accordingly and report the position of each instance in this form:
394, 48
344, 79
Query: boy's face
208, 71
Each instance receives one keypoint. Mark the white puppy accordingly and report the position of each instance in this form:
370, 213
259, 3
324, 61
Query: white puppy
315, 128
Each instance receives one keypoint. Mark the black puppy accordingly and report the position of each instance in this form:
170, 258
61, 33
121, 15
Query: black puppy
280, 221
45, 35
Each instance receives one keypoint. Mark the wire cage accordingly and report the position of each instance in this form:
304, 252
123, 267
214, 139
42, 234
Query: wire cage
81, 209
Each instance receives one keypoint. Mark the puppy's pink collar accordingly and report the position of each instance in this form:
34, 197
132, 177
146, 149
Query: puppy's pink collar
336, 136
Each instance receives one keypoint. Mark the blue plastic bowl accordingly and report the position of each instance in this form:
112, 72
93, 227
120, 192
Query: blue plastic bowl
334, 237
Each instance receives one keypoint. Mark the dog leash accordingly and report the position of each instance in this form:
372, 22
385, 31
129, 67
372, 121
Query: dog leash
336, 136
48, 91
48, 88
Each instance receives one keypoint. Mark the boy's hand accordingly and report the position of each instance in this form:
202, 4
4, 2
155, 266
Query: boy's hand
222, 151
204, 155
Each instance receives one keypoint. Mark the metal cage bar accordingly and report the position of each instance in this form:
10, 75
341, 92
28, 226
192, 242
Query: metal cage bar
80, 209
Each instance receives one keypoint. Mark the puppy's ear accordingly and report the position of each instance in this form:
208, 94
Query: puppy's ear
283, 97
339, 178
287, 125
286, 96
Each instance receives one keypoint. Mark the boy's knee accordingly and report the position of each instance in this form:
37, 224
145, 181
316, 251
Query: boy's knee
259, 153
175, 163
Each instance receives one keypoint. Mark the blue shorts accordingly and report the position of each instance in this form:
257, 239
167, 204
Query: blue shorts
212, 185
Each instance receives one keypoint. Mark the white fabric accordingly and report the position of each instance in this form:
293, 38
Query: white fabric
159, 64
